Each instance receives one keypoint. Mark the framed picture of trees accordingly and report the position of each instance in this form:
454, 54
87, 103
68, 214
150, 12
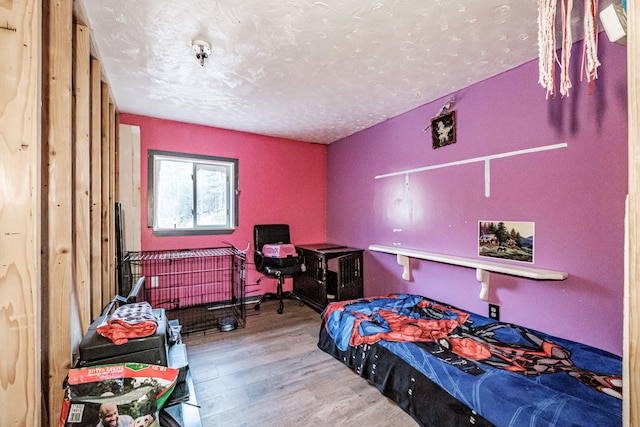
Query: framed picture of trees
510, 240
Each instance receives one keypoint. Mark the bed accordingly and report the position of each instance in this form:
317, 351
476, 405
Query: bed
448, 367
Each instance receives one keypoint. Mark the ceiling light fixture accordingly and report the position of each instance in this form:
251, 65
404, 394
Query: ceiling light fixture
202, 50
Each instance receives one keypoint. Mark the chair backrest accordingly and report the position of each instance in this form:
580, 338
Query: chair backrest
270, 233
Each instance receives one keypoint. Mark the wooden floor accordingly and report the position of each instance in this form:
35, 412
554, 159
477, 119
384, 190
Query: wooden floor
271, 373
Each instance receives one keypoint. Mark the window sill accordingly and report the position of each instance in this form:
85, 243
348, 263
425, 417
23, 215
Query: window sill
192, 232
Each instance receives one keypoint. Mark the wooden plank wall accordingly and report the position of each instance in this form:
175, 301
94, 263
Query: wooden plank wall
81, 174
113, 195
95, 195
105, 181
78, 152
129, 184
632, 272
57, 195
20, 384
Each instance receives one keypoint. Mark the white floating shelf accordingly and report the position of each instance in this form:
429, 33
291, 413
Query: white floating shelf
482, 267
485, 159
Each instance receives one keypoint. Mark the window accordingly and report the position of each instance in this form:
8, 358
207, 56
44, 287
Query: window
192, 194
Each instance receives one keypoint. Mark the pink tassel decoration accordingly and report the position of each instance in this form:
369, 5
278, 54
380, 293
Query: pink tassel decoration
547, 45
567, 41
590, 50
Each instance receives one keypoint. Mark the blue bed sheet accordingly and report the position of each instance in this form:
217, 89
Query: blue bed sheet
510, 375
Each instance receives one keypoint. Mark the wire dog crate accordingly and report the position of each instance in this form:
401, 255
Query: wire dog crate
203, 288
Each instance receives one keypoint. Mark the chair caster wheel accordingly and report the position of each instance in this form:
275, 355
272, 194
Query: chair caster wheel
256, 307
280, 310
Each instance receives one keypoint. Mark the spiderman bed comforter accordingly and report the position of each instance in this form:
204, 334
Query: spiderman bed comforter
446, 366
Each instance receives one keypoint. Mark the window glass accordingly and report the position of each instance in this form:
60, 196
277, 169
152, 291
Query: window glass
212, 194
192, 194
174, 194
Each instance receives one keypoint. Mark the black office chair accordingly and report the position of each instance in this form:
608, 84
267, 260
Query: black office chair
279, 268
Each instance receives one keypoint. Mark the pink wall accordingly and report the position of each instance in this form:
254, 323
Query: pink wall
575, 196
280, 181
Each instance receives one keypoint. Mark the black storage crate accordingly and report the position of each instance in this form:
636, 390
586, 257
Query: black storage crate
333, 273
202, 288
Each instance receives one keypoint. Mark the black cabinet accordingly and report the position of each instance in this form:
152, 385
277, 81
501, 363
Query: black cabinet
333, 273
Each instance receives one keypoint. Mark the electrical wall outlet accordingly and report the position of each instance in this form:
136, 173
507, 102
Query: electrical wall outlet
494, 311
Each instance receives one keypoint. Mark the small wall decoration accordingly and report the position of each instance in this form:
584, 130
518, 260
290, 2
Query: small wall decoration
548, 56
443, 129
506, 239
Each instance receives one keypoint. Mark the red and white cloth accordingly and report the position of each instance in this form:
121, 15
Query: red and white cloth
547, 56
129, 321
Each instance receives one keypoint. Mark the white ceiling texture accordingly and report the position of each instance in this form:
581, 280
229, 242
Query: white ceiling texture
314, 71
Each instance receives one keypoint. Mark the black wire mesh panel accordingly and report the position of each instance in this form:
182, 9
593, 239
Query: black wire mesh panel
202, 288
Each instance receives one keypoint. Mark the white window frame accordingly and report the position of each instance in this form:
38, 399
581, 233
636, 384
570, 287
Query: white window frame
230, 165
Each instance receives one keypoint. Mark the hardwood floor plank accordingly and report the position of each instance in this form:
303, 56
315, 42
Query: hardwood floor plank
272, 373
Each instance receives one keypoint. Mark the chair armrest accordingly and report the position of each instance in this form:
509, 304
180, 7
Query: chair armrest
258, 259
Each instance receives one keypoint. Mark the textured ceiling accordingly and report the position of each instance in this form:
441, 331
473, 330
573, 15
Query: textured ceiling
313, 71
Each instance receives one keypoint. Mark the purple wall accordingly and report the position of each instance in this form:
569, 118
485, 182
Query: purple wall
575, 196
